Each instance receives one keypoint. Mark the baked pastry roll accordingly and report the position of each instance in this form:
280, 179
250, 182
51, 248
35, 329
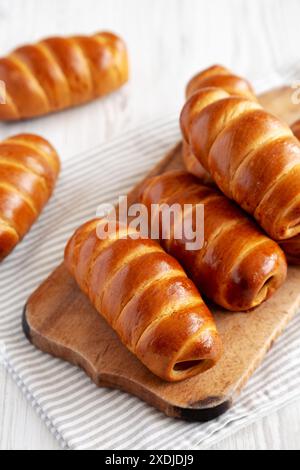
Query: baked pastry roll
252, 156
29, 167
238, 267
57, 73
145, 295
291, 247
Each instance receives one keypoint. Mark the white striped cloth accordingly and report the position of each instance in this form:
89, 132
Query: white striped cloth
80, 415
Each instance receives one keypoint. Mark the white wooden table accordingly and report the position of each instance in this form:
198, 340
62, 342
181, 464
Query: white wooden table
168, 41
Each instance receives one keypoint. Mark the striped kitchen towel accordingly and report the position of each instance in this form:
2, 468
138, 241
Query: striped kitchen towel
79, 414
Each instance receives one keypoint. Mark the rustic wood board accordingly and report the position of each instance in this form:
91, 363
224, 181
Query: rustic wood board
59, 320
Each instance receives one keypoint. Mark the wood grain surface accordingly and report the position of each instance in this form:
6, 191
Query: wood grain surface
168, 41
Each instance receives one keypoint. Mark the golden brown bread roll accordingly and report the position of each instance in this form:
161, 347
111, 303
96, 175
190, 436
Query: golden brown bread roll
291, 247
29, 167
238, 267
215, 76
58, 73
252, 156
146, 297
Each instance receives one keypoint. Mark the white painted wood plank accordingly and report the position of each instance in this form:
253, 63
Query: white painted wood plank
20, 427
168, 41
279, 431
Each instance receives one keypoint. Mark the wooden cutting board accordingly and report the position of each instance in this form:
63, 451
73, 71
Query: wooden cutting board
59, 320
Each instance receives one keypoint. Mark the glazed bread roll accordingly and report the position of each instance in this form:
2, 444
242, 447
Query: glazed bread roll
252, 156
291, 247
215, 76
58, 73
29, 167
146, 297
238, 266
